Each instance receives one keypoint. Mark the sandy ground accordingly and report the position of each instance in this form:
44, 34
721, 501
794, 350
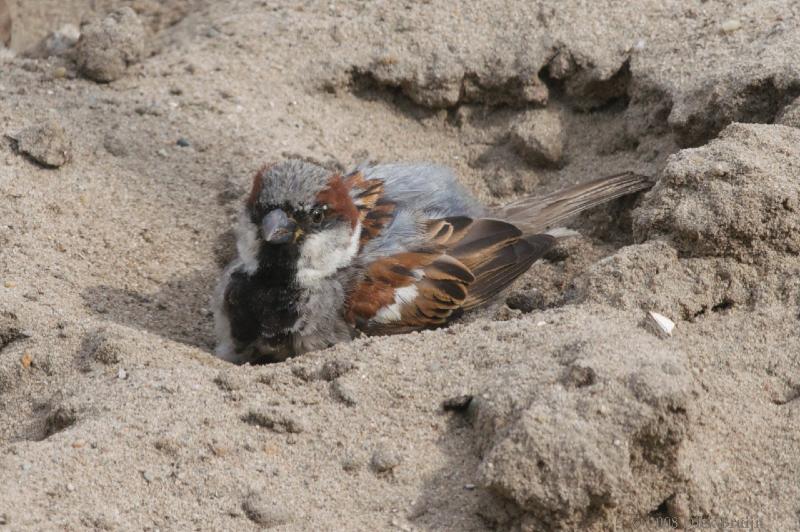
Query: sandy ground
564, 408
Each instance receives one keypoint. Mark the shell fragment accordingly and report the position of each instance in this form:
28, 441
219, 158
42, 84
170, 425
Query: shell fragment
661, 323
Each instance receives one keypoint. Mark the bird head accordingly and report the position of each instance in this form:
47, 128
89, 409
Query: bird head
303, 211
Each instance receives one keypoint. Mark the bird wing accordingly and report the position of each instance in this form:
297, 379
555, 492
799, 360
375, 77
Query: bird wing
461, 264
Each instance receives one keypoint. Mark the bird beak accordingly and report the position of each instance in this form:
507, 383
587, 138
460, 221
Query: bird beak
278, 228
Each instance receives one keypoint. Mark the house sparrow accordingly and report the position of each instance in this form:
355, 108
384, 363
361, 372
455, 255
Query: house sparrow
385, 249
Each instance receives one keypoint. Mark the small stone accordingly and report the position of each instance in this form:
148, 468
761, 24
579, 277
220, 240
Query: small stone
26, 360
77, 444
265, 511
46, 143
538, 137
122, 374
4, 520
385, 459
147, 476
59, 72
10, 284
183, 143
731, 25
70, 487
107, 47
469, 487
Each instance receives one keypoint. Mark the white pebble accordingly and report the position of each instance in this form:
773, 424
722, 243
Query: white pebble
662, 323
731, 25
122, 374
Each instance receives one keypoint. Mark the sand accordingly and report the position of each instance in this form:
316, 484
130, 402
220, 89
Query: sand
123, 159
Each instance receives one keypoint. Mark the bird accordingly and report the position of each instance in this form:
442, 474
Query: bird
324, 257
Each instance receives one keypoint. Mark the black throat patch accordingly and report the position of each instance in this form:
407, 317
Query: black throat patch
263, 306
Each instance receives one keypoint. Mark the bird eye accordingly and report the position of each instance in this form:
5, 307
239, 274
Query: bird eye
317, 214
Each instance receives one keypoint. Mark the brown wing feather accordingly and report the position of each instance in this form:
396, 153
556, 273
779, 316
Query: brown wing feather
466, 262
504, 266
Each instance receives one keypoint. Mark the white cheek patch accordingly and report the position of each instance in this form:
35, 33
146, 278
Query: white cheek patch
393, 312
324, 253
247, 243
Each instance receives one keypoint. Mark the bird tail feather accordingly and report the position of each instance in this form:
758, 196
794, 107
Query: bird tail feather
543, 213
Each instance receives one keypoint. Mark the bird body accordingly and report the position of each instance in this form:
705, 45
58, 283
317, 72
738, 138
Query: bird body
384, 249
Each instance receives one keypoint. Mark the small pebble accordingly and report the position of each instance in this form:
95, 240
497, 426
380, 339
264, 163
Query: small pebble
47, 144
731, 25
385, 459
265, 511
108, 46
122, 374
148, 476
469, 487
70, 487
183, 143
